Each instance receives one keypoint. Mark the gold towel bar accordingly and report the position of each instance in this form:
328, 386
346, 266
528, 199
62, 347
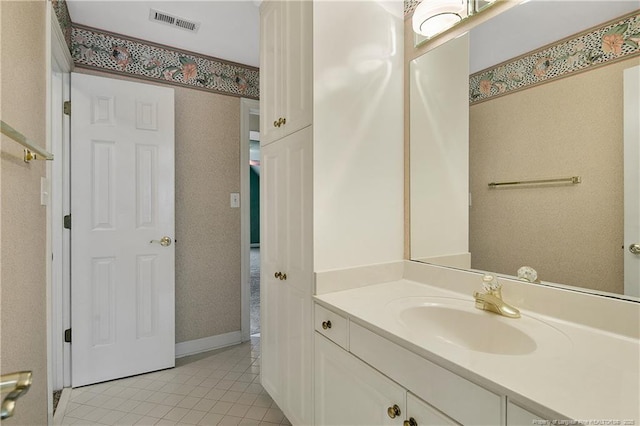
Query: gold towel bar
572, 180
16, 384
32, 150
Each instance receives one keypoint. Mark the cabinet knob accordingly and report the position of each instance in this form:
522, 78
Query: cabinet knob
280, 122
410, 422
394, 411
280, 276
326, 324
277, 274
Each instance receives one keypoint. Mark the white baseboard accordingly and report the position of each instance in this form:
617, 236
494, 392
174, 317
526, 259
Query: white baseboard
205, 344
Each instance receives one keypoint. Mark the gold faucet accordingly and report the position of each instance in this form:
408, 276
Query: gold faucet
492, 299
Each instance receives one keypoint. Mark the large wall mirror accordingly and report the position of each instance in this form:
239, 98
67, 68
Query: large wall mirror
536, 93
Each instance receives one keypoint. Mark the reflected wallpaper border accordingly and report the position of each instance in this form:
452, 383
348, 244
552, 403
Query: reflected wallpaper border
64, 19
410, 6
106, 51
612, 41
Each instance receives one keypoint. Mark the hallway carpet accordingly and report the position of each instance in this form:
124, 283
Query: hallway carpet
220, 387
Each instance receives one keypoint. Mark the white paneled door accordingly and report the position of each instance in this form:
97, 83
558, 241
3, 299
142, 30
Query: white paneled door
122, 211
632, 181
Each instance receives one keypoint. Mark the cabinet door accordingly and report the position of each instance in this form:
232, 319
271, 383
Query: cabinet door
286, 309
349, 392
271, 72
286, 69
298, 66
424, 414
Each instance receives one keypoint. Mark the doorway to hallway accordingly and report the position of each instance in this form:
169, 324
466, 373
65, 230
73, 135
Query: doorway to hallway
250, 184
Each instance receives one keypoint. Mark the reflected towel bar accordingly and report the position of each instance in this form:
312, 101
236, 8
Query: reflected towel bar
16, 384
572, 180
32, 150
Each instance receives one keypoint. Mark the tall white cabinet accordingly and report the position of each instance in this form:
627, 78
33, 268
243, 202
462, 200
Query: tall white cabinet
331, 168
286, 188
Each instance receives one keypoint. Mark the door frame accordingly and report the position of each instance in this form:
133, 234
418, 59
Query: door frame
248, 107
59, 60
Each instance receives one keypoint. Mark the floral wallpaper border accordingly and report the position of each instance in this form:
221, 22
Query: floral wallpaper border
98, 49
615, 40
64, 19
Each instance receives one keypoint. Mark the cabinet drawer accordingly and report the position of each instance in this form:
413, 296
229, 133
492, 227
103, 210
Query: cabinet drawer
331, 325
424, 414
518, 416
463, 401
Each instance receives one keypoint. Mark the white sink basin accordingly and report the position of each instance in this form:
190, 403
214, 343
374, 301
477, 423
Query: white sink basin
457, 322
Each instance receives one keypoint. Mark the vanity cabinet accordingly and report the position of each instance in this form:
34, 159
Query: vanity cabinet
287, 273
286, 73
361, 385
349, 392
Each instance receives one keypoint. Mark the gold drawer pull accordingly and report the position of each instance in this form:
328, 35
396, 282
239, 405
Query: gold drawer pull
326, 324
394, 411
410, 422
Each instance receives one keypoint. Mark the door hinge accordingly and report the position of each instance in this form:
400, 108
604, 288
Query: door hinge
67, 222
66, 107
67, 335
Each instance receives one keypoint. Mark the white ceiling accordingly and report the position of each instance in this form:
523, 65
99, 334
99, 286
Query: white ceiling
229, 29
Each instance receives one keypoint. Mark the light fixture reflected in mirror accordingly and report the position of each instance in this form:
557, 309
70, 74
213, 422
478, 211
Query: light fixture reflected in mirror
432, 17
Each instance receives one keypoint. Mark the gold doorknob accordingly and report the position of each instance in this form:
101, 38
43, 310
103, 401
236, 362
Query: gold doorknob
284, 121
283, 276
275, 123
394, 411
277, 274
326, 324
164, 241
410, 422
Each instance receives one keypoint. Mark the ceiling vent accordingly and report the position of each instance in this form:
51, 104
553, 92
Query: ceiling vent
173, 20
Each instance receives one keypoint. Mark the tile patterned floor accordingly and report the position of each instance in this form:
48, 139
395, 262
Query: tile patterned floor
221, 387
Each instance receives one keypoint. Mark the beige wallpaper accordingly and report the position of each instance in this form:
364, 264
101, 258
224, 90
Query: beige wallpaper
569, 234
207, 228
23, 344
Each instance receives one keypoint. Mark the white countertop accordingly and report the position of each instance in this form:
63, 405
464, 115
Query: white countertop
582, 373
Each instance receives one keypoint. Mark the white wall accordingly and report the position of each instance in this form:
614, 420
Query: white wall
358, 133
439, 131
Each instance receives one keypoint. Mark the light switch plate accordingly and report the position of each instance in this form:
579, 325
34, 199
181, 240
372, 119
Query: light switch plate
235, 200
